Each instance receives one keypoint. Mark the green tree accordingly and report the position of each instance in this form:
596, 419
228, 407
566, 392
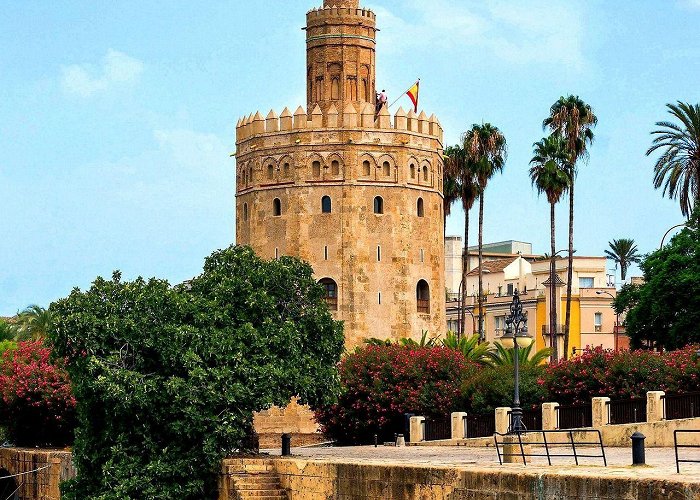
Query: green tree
548, 174
450, 187
167, 378
486, 150
33, 323
623, 252
571, 119
664, 312
8, 331
678, 167
462, 171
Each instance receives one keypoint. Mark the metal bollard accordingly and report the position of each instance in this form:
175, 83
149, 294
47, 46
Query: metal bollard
638, 457
375, 440
286, 445
400, 441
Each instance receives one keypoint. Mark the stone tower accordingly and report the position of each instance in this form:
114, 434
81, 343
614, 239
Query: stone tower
357, 195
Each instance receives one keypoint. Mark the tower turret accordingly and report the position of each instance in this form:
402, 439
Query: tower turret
340, 55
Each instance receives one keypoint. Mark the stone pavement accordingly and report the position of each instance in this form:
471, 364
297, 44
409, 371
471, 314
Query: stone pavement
660, 461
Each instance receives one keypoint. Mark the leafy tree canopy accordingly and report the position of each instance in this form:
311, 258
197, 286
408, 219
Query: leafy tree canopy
167, 378
665, 310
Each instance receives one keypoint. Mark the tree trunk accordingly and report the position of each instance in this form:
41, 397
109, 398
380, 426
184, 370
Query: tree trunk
465, 270
553, 290
569, 271
482, 334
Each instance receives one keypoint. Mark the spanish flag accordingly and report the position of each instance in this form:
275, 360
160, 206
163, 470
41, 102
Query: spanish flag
413, 94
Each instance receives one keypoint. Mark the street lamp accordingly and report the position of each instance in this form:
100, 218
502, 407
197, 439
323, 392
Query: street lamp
516, 336
617, 315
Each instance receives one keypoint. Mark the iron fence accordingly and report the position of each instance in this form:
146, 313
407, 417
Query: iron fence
437, 428
676, 433
627, 411
529, 447
574, 416
480, 425
681, 405
532, 419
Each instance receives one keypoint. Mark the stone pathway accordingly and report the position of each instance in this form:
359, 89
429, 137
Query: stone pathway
660, 461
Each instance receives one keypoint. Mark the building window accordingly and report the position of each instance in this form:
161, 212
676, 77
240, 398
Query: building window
585, 282
379, 253
325, 253
335, 167
379, 298
413, 171
423, 297
425, 173
316, 169
277, 253
326, 204
378, 205
499, 323
598, 322
365, 168
422, 255
509, 289
270, 172
331, 293
245, 211
386, 168
286, 170
250, 175
276, 207
419, 207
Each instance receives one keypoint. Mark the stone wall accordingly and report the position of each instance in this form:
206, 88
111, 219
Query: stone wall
295, 419
312, 480
55, 466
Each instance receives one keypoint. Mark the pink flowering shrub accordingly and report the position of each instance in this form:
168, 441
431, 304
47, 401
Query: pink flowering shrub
621, 374
37, 406
381, 383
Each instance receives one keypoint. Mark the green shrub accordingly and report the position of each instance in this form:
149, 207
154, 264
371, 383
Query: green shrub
494, 387
167, 378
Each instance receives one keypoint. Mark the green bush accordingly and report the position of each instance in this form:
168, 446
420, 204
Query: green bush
493, 387
167, 378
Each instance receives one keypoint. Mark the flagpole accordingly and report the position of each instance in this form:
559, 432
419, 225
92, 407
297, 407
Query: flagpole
403, 94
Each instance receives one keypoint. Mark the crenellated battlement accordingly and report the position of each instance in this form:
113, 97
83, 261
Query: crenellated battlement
325, 12
255, 125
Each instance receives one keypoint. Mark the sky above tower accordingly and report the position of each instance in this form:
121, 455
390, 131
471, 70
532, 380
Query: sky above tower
117, 119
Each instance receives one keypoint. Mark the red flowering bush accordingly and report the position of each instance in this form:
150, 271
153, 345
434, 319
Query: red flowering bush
621, 374
37, 405
381, 383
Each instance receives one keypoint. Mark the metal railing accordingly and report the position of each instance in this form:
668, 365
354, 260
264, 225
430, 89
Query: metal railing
437, 428
480, 425
574, 416
552, 448
627, 411
681, 405
676, 446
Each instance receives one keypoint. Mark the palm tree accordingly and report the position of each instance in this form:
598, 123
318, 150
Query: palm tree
506, 357
548, 174
8, 331
486, 149
471, 348
33, 323
450, 185
571, 119
678, 168
624, 253
462, 170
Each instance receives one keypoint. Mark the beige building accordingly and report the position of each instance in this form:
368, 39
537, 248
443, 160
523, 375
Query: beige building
593, 321
356, 194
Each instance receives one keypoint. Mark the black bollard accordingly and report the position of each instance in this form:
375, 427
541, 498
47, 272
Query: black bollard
286, 445
638, 448
375, 440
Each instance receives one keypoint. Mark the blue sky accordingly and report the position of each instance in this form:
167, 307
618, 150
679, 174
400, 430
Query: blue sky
117, 119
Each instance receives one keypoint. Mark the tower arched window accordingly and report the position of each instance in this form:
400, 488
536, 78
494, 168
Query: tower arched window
413, 171
366, 168
326, 204
335, 167
423, 297
316, 169
250, 175
386, 168
331, 289
270, 172
245, 211
419, 207
425, 173
286, 170
378, 205
276, 207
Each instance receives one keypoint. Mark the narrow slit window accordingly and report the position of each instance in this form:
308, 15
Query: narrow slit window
419, 207
379, 253
326, 204
378, 205
325, 253
276, 207
379, 298
245, 211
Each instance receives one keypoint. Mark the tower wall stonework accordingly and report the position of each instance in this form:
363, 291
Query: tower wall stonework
339, 148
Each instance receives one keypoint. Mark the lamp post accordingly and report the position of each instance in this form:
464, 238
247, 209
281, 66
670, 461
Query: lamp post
617, 315
516, 336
